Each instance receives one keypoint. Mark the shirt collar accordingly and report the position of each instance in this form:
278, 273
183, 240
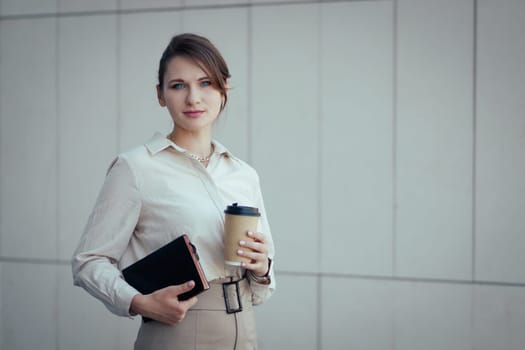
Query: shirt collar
220, 149
159, 142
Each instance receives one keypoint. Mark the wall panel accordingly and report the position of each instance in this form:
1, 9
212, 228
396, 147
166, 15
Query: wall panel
356, 137
434, 138
78, 310
27, 7
262, 2
356, 314
289, 319
144, 36
432, 316
214, 2
28, 138
500, 141
82, 5
498, 318
149, 4
87, 112
28, 318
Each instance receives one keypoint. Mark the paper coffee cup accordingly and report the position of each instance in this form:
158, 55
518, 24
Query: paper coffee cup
238, 220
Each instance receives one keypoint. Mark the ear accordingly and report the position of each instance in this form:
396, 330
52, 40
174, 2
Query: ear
227, 92
160, 97
227, 86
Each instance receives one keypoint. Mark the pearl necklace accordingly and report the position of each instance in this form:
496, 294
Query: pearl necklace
199, 158
203, 160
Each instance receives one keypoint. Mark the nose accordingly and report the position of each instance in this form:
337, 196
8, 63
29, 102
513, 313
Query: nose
193, 96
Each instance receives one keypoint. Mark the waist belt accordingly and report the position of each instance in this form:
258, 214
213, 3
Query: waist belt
225, 295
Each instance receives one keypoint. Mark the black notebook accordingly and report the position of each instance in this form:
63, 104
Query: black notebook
175, 263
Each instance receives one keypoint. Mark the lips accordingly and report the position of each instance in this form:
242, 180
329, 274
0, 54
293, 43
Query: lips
193, 113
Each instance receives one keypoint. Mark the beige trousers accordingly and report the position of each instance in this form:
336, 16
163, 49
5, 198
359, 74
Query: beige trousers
206, 326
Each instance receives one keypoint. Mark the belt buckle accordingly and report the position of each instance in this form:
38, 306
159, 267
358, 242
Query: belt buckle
229, 308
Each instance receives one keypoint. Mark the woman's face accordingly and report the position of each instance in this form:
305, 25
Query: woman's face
192, 101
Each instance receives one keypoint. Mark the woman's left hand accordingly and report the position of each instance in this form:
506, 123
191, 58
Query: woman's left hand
257, 251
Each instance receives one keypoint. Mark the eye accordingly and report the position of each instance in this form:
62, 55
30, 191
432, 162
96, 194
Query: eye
205, 83
178, 86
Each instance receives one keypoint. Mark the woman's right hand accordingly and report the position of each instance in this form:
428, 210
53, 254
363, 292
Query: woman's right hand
163, 305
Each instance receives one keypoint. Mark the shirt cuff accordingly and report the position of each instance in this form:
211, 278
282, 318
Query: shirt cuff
123, 302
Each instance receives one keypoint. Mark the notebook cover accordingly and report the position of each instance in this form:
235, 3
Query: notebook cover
175, 263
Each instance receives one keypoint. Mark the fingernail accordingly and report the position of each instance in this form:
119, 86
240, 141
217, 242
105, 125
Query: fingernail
250, 233
242, 242
191, 283
240, 252
243, 264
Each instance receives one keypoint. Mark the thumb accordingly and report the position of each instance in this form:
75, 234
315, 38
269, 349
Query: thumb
182, 288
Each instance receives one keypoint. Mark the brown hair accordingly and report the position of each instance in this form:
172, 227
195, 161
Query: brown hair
205, 55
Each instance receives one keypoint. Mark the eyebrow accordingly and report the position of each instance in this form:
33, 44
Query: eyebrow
179, 80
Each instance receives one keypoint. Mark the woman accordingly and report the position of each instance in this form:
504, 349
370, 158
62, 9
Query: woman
173, 185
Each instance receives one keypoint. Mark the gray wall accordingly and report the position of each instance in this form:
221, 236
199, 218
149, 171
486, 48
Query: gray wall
389, 136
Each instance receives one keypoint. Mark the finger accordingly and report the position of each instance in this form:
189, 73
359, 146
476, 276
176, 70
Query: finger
187, 304
177, 319
181, 288
257, 236
180, 310
255, 246
254, 256
256, 267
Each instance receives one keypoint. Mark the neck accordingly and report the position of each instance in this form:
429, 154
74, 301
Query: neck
197, 143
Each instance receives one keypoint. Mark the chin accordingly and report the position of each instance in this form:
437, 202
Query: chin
193, 128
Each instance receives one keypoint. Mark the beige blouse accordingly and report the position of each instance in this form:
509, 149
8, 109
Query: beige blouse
151, 195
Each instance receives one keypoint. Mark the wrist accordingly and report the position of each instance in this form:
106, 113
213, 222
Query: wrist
266, 272
261, 279
136, 307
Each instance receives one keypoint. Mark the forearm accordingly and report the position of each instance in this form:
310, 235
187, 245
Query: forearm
103, 280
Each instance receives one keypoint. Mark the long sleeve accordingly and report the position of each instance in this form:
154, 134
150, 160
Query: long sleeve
261, 292
105, 238
152, 194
